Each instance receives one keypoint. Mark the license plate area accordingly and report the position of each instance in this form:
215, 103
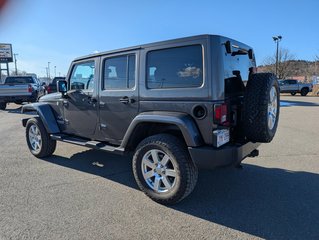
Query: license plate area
220, 137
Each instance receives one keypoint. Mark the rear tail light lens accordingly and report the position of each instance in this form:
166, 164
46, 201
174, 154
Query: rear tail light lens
29, 88
49, 89
220, 113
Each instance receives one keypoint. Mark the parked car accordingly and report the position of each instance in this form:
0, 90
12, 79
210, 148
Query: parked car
177, 106
51, 88
19, 89
292, 86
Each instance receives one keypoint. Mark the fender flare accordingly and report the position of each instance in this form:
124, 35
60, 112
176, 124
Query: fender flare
45, 112
183, 121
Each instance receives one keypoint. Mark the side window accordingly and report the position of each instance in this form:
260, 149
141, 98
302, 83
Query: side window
119, 72
83, 76
180, 67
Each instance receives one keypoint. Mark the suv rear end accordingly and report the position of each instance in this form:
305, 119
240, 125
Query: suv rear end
210, 84
204, 77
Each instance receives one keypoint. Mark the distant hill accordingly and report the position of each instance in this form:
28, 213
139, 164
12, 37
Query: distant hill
298, 69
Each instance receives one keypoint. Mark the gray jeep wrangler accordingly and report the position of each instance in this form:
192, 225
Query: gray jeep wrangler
177, 106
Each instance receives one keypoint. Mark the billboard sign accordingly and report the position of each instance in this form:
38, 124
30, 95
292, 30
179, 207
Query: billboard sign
6, 53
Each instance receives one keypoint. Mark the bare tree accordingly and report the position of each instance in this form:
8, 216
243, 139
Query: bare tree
285, 63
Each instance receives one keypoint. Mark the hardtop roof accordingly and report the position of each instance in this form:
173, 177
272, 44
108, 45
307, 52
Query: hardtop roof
184, 39
177, 40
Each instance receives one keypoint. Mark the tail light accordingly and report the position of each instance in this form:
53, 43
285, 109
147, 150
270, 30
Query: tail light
220, 114
49, 89
30, 89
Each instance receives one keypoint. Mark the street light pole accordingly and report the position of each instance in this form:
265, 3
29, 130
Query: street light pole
277, 39
49, 69
15, 62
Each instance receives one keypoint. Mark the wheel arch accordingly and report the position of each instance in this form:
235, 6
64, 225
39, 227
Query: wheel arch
151, 123
45, 112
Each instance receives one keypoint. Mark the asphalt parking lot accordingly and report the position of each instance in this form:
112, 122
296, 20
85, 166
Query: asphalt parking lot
85, 194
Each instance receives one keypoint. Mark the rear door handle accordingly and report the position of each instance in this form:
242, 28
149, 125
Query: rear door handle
126, 100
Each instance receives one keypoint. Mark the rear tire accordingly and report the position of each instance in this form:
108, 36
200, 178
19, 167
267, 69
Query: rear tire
163, 169
3, 105
261, 107
293, 94
304, 91
39, 141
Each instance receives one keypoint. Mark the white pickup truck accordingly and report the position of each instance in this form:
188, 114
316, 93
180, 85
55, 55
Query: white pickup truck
292, 86
19, 89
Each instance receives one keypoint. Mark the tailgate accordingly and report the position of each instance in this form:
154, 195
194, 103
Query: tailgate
14, 90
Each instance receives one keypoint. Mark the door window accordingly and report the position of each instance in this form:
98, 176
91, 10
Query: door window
119, 72
83, 76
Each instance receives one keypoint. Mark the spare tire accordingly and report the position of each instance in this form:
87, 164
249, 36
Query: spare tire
261, 107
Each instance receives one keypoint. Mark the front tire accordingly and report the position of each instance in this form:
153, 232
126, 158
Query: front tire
163, 169
293, 94
39, 141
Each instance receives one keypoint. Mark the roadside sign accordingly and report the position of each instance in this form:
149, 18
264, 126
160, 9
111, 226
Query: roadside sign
6, 53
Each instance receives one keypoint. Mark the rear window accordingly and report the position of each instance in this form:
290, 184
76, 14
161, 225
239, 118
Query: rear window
237, 66
180, 67
19, 80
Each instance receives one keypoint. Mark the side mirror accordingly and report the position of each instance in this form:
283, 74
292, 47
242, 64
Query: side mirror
43, 84
62, 86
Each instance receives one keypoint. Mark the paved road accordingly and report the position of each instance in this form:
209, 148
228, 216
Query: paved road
84, 194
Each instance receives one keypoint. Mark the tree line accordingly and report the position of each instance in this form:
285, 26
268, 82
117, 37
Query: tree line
289, 66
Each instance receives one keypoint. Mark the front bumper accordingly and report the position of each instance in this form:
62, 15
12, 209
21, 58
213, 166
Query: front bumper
209, 157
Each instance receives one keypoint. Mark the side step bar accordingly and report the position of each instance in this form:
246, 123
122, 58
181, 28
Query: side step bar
85, 143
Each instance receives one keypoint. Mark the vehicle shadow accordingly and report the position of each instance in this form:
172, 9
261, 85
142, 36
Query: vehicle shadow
288, 103
270, 203
111, 166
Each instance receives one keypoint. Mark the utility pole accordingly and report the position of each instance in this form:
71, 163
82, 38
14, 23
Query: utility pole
49, 69
15, 62
277, 39
54, 71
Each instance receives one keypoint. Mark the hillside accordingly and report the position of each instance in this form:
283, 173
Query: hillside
297, 69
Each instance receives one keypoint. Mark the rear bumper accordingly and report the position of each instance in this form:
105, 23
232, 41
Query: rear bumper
209, 157
26, 98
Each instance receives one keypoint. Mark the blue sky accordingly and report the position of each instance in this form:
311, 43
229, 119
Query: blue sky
43, 31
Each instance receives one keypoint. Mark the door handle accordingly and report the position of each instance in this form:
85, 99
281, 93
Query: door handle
92, 100
126, 100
